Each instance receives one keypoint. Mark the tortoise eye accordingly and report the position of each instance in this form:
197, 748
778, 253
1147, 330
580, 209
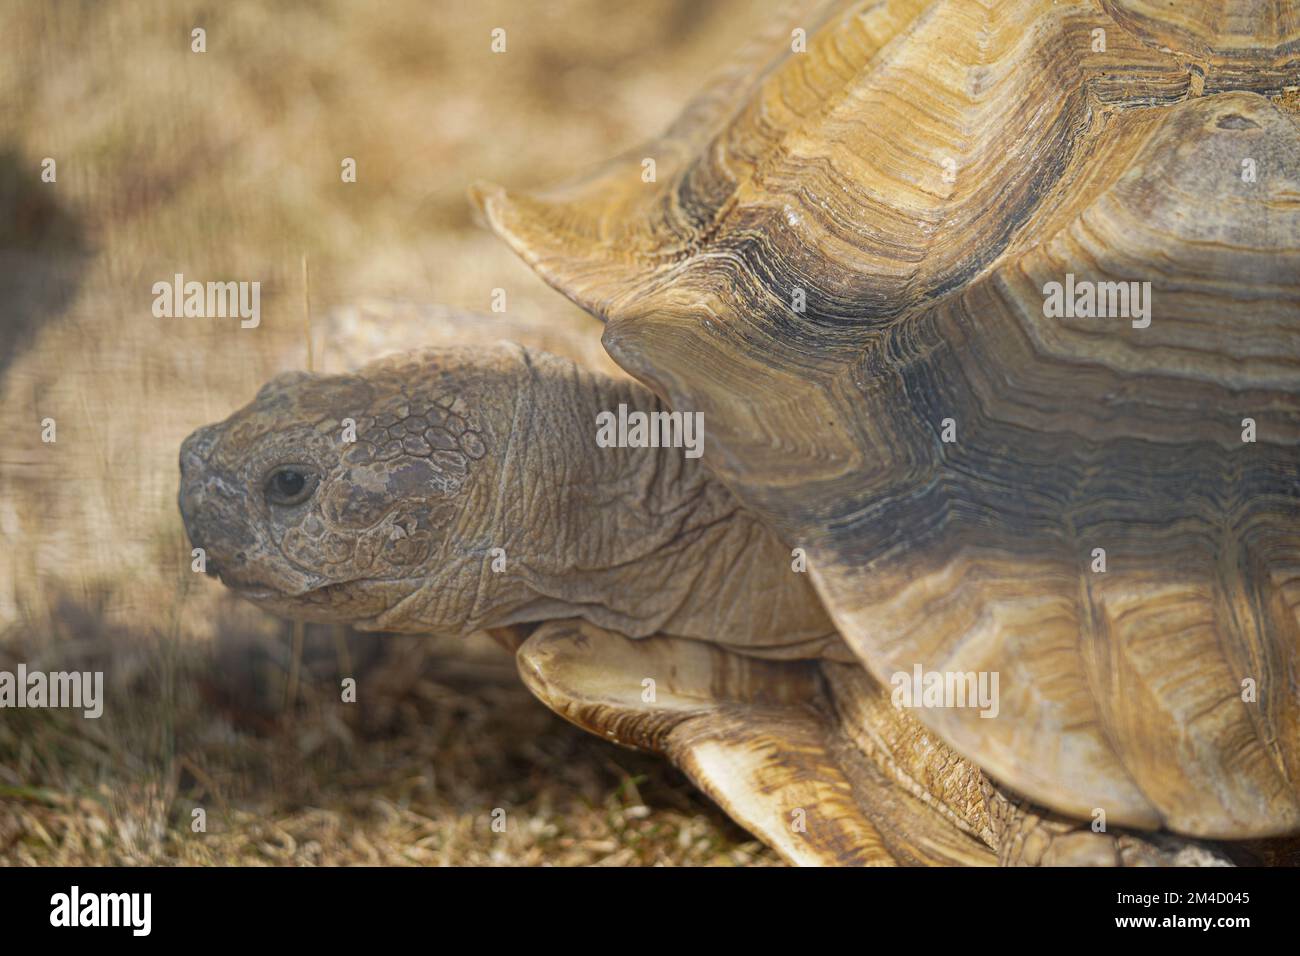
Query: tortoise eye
290, 485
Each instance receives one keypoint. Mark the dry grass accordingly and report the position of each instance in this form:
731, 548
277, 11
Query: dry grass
225, 165
442, 736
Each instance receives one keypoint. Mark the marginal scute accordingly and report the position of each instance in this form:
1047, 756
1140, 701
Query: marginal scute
920, 177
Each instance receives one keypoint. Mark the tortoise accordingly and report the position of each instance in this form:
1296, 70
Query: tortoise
992, 316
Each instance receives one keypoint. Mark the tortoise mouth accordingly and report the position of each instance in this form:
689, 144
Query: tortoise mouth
330, 602
256, 593
263, 592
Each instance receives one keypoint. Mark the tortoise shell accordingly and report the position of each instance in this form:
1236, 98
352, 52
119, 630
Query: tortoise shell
994, 309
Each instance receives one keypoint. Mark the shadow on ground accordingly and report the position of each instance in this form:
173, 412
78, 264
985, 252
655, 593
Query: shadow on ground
441, 742
43, 253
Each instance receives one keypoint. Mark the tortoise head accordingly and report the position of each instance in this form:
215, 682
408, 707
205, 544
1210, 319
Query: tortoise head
334, 497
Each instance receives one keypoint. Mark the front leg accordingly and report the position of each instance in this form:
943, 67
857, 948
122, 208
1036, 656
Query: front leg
756, 735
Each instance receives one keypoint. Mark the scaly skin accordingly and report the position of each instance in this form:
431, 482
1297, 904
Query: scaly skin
458, 454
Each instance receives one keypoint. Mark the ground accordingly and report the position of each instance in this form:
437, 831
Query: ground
442, 742
225, 165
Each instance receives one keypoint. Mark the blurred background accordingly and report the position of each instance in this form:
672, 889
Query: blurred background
225, 165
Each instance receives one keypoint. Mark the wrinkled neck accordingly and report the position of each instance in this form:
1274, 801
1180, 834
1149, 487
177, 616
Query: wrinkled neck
641, 540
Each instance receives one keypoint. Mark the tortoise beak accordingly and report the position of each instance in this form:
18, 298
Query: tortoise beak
210, 506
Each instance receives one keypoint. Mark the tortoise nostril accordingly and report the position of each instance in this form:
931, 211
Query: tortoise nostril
196, 447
